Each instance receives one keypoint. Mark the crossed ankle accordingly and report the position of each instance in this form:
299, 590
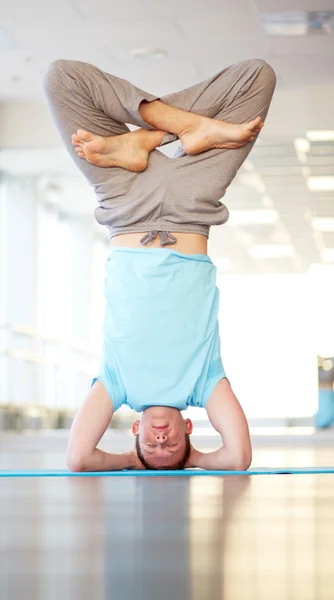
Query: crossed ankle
167, 118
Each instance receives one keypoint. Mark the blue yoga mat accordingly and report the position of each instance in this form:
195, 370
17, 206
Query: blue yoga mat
186, 473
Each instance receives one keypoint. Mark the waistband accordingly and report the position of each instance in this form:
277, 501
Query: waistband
162, 228
164, 252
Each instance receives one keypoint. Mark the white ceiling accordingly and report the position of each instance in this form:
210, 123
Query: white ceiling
200, 38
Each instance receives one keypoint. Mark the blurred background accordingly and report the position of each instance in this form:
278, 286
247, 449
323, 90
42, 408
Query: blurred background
275, 256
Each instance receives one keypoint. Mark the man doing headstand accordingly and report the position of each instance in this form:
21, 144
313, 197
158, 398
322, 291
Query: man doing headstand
161, 349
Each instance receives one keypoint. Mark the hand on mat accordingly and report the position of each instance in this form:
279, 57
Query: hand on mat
193, 459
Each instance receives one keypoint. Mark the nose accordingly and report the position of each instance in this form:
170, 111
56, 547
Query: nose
161, 437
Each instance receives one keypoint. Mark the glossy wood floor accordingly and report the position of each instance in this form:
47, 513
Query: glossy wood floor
231, 538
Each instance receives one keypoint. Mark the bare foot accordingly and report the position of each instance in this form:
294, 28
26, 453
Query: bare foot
207, 134
129, 151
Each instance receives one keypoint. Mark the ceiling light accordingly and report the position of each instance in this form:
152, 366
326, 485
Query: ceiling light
285, 23
271, 251
298, 22
253, 179
302, 147
267, 201
320, 184
323, 135
148, 53
248, 166
323, 223
328, 254
252, 217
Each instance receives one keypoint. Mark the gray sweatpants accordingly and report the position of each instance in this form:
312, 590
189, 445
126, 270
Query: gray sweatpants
179, 194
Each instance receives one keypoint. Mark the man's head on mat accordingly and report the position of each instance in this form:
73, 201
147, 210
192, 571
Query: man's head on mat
162, 438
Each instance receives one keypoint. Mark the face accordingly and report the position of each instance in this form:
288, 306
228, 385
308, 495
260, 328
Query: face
161, 433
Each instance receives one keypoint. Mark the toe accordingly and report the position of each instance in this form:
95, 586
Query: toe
85, 135
75, 139
256, 123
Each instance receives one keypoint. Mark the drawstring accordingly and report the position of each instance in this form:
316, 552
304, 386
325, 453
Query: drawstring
166, 238
151, 235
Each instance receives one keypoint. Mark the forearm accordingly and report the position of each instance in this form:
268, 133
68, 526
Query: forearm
103, 461
223, 460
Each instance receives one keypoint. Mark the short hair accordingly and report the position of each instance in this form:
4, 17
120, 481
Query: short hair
177, 467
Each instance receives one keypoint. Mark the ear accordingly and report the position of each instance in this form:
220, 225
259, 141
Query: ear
189, 426
135, 427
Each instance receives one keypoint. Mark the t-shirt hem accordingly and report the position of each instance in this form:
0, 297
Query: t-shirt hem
110, 391
211, 386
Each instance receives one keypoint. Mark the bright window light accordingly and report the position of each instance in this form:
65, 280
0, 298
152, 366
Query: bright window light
324, 271
320, 184
205, 431
282, 431
328, 254
271, 251
223, 264
252, 217
251, 353
323, 223
210, 432
323, 135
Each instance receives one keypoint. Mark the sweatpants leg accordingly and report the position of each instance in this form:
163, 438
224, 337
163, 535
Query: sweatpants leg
237, 94
82, 96
186, 190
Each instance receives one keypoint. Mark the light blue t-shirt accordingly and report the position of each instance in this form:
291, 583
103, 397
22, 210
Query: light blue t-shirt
161, 335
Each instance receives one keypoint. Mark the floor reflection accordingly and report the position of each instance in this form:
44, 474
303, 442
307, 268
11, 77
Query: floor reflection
231, 538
